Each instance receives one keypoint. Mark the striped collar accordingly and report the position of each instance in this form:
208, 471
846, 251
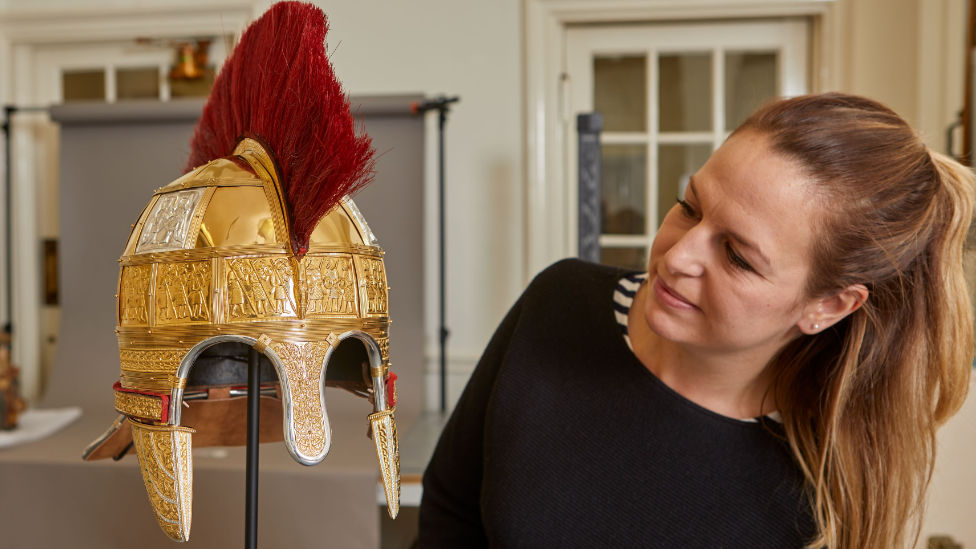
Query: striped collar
623, 298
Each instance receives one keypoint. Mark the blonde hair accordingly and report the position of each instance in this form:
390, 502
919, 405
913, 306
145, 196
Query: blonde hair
861, 402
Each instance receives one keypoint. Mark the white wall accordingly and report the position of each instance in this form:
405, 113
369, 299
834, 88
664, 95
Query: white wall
908, 54
470, 49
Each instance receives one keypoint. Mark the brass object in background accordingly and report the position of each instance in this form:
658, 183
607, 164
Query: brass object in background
186, 67
192, 74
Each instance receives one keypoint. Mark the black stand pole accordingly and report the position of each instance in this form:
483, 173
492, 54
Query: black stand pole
253, 440
442, 106
441, 121
8, 224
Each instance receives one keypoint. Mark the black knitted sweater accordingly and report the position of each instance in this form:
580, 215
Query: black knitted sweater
562, 438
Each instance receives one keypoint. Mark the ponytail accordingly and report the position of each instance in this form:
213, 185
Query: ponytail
861, 402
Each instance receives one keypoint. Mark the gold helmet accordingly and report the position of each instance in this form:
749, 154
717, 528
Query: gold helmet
222, 259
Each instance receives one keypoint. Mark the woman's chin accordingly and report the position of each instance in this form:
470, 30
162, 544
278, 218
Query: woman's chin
659, 323
664, 324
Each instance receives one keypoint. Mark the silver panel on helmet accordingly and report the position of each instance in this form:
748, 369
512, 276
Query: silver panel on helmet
169, 222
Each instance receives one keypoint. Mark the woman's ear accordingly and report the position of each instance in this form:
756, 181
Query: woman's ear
820, 314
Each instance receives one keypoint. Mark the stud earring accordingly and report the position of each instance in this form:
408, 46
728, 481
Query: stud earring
816, 326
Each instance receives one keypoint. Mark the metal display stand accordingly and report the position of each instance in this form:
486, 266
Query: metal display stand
442, 105
253, 442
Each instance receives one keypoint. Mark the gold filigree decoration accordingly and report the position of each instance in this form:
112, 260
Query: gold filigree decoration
154, 360
165, 459
373, 285
384, 343
135, 295
303, 367
134, 404
157, 382
328, 286
260, 288
182, 292
388, 455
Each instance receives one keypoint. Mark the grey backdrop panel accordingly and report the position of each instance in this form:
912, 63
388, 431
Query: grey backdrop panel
114, 156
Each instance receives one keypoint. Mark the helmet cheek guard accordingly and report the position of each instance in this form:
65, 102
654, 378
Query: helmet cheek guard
207, 272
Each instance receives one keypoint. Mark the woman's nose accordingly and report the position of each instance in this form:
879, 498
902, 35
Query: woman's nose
687, 257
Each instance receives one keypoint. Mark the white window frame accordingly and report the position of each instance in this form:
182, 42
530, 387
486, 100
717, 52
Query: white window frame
786, 37
549, 229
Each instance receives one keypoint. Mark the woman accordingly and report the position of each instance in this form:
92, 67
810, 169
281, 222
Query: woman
803, 329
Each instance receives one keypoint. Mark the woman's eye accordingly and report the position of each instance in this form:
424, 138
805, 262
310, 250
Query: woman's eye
735, 260
687, 209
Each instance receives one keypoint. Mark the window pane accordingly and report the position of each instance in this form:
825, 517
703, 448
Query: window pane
83, 85
623, 193
750, 79
675, 164
620, 92
685, 86
141, 83
625, 258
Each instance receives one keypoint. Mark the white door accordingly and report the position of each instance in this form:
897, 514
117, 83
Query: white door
669, 95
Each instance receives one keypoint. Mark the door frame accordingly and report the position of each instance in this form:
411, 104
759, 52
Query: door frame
788, 37
548, 230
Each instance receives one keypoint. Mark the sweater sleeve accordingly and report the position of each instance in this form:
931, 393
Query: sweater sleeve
450, 510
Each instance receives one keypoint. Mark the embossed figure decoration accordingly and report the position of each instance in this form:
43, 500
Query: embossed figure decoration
374, 280
227, 255
169, 221
183, 292
330, 286
260, 288
135, 295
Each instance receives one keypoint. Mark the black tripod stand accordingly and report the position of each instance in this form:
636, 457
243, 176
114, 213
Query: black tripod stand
442, 105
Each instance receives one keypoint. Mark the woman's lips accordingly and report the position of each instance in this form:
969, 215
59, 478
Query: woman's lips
669, 297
